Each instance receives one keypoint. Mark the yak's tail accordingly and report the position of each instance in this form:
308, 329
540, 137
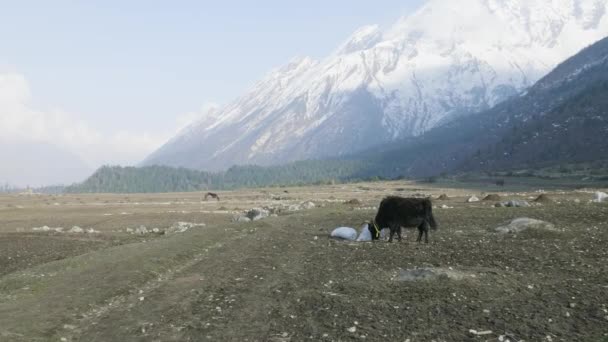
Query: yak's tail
428, 211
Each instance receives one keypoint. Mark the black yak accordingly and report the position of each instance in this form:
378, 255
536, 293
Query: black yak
396, 212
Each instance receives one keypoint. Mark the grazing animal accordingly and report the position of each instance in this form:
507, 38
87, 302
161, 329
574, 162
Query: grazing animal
396, 212
212, 195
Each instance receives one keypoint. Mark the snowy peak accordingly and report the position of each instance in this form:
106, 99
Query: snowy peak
363, 39
447, 59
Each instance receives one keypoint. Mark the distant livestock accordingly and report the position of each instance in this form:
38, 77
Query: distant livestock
396, 212
212, 195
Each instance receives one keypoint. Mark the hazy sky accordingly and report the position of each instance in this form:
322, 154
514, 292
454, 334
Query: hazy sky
112, 80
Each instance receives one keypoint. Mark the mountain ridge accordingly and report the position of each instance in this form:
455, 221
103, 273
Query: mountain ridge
379, 86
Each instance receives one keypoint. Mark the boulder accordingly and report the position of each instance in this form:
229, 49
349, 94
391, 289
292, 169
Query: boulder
543, 198
524, 223
429, 273
472, 199
443, 197
76, 229
513, 204
492, 197
240, 218
255, 214
180, 227
600, 197
308, 205
142, 230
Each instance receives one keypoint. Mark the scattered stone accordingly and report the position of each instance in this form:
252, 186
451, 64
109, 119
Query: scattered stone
181, 227
492, 197
427, 273
543, 198
513, 204
576, 200
480, 333
353, 201
240, 218
352, 329
524, 223
76, 229
129, 230
472, 199
255, 214
92, 231
142, 230
41, 229
308, 205
446, 207
443, 197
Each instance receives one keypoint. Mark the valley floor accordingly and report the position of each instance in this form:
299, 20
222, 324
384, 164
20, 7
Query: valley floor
283, 279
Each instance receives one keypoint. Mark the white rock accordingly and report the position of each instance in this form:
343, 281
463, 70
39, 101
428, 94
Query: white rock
352, 329
524, 223
240, 218
473, 199
513, 204
600, 197
307, 205
142, 230
76, 229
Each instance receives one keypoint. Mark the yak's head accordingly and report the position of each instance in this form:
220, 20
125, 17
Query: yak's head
373, 229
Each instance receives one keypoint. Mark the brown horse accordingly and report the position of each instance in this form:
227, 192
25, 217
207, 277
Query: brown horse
212, 195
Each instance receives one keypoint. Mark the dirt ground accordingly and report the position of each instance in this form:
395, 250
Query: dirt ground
283, 279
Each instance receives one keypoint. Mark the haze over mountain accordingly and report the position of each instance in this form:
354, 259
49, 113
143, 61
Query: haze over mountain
38, 164
381, 85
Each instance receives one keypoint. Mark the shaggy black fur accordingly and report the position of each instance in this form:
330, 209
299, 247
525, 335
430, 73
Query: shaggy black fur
396, 212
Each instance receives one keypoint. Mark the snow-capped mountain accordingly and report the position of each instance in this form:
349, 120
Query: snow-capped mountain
448, 58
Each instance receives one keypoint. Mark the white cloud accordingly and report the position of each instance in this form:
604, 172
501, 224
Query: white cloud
20, 122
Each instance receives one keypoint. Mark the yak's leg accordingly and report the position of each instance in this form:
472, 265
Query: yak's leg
420, 232
425, 224
399, 233
390, 238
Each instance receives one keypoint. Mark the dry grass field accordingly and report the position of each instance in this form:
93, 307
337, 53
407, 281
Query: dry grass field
283, 279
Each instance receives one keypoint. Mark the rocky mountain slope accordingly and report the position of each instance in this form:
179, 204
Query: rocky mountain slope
382, 85
561, 119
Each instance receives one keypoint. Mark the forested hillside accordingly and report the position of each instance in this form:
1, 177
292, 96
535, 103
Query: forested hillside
168, 179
